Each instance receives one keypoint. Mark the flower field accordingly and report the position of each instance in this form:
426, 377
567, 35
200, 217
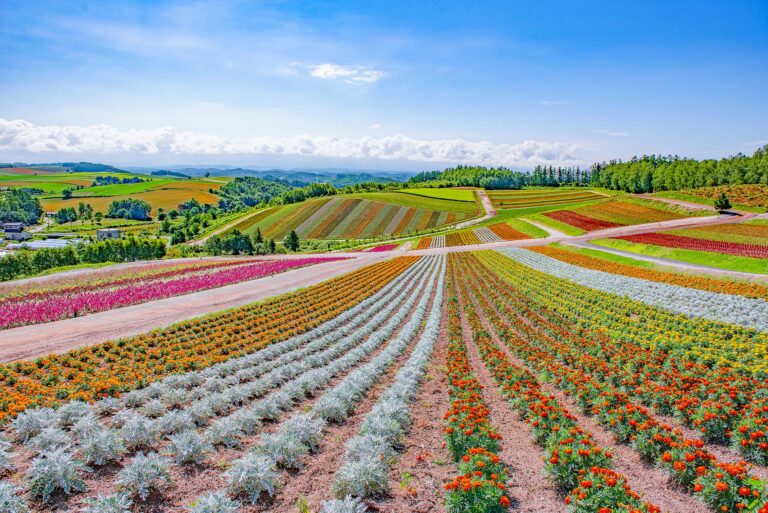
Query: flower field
359, 217
493, 233
747, 289
382, 248
504, 199
610, 214
754, 195
748, 239
489, 381
76, 301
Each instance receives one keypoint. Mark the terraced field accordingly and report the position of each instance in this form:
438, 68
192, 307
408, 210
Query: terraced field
357, 217
606, 214
525, 198
742, 196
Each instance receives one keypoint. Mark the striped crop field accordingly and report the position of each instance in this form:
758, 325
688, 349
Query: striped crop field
487, 381
525, 198
610, 214
350, 217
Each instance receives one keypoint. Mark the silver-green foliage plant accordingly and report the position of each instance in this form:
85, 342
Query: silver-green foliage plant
113, 503
346, 505
214, 502
146, 472
55, 470
188, 447
31, 422
102, 446
11, 500
253, 475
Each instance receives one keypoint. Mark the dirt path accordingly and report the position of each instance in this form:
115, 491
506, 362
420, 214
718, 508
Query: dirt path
60, 336
687, 204
551, 231
489, 211
417, 479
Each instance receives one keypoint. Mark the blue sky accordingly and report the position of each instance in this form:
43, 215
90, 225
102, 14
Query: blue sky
384, 85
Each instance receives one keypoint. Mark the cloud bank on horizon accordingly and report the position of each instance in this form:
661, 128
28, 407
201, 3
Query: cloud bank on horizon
22, 136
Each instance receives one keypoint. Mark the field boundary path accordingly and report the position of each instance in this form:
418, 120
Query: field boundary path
490, 212
668, 261
551, 231
58, 337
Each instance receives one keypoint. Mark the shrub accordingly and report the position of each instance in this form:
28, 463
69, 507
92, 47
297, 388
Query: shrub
11, 500
214, 502
188, 447
154, 408
346, 505
135, 432
54, 470
114, 503
102, 446
284, 448
252, 475
145, 473
50, 438
306, 428
224, 432
362, 478
31, 422
72, 411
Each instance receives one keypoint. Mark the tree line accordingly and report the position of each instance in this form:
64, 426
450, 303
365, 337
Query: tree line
652, 173
26, 263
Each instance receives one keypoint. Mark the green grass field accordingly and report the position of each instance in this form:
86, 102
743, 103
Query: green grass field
730, 262
406, 199
525, 198
557, 225
446, 193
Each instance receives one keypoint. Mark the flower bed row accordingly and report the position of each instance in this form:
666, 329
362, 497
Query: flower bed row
725, 405
753, 290
462, 238
76, 302
116, 366
382, 248
723, 486
575, 462
473, 442
581, 221
506, 232
679, 242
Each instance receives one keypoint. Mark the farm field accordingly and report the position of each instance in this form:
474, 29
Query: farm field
77, 298
526, 198
607, 214
736, 246
749, 197
359, 216
513, 230
486, 378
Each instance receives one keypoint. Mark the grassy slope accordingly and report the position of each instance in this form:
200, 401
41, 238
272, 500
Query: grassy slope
703, 201
530, 230
557, 225
447, 193
417, 201
730, 262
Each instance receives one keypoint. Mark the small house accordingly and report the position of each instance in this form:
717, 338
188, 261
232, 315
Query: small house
15, 231
107, 233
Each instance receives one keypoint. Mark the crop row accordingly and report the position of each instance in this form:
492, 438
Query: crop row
522, 199
76, 302
506, 232
298, 372
747, 289
575, 462
680, 366
752, 313
462, 238
749, 232
680, 242
485, 235
472, 440
590, 379
610, 214
118, 366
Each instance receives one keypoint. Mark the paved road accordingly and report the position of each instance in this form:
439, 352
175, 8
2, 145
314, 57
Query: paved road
60, 336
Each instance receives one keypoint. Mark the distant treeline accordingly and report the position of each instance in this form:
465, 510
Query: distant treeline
658, 173
27, 263
501, 178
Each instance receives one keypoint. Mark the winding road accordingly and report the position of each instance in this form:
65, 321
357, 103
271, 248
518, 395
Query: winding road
60, 336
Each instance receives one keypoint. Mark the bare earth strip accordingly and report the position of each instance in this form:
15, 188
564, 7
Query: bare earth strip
61, 336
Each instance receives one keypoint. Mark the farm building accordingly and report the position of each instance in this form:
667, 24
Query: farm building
15, 231
107, 233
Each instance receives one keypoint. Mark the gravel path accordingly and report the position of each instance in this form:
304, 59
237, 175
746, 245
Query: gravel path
60, 336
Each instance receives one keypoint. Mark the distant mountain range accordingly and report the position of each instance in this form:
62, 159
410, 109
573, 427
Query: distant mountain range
296, 176
336, 177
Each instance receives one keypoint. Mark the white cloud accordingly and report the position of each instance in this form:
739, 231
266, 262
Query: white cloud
354, 75
19, 135
612, 133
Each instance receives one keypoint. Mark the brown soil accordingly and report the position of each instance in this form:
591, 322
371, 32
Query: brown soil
529, 489
418, 478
